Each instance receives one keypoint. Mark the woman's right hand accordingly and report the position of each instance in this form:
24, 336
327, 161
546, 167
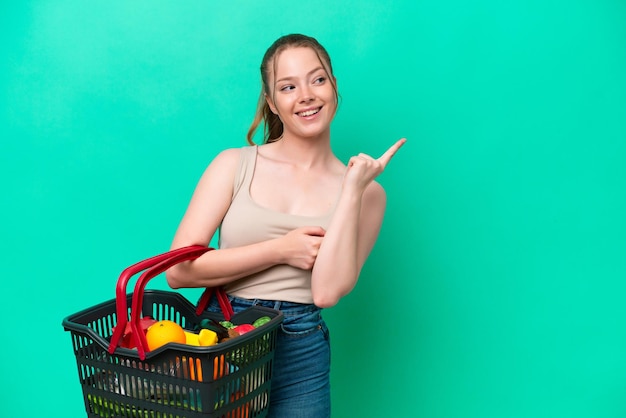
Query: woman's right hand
300, 246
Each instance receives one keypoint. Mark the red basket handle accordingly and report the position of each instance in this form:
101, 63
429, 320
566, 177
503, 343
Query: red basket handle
122, 283
137, 302
222, 298
203, 302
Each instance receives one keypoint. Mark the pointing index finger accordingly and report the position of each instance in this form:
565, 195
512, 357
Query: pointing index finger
386, 157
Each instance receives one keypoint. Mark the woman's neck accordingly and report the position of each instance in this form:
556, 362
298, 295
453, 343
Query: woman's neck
304, 152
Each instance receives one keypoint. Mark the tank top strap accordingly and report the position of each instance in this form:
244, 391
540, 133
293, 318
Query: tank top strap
245, 170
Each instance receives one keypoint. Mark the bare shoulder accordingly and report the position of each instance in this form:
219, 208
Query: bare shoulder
221, 170
228, 157
375, 193
374, 202
225, 163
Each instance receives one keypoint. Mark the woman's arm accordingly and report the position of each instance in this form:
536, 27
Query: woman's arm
348, 241
353, 230
205, 212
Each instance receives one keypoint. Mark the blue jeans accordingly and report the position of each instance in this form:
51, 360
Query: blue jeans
301, 370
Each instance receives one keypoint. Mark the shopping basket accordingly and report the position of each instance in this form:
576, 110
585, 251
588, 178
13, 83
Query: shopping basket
229, 380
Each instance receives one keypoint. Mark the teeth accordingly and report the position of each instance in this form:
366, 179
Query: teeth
309, 112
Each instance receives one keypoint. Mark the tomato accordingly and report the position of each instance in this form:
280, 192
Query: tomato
244, 328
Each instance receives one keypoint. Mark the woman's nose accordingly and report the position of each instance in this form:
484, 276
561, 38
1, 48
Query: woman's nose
306, 95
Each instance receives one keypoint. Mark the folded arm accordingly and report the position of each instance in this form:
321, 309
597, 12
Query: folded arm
353, 230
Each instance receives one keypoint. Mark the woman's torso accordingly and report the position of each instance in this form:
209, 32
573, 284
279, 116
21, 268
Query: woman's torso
247, 222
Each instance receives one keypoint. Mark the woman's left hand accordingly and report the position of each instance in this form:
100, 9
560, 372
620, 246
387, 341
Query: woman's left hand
362, 168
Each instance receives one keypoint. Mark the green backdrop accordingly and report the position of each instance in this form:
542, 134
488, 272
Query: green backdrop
496, 288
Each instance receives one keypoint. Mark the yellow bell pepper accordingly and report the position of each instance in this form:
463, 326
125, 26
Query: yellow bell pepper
204, 338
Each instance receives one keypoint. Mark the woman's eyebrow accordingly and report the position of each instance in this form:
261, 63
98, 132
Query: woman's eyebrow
292, 77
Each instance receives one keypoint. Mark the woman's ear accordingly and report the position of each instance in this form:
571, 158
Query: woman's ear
270, 103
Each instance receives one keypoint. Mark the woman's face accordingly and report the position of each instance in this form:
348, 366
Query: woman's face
301, 93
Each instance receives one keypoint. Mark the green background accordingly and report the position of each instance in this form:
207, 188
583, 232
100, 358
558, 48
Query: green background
496, 287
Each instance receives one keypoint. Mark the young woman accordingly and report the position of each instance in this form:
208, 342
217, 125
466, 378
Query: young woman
296, 224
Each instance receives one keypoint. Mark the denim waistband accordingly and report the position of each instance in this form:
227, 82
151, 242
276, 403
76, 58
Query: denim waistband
279, 305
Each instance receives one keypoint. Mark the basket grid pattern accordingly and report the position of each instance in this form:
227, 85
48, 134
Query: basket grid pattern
180, 381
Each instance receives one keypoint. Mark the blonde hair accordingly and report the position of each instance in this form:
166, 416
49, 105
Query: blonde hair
272, 125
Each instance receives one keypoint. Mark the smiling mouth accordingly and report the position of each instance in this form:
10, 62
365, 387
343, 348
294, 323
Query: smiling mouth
309, 112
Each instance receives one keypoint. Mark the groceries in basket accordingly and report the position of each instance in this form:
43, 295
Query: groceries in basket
210, 332
164, 357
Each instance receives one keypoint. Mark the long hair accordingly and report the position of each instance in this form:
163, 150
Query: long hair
272, 125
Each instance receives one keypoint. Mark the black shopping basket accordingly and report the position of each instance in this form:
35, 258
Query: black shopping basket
229, 380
